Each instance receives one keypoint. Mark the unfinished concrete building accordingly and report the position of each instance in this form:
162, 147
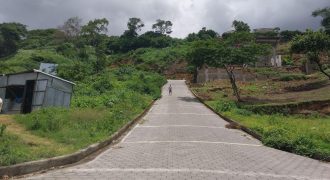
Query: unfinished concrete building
269, 36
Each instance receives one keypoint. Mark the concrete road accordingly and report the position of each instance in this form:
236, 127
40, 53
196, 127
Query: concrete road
181, 139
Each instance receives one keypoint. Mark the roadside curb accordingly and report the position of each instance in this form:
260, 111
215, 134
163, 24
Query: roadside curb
50, 163
243, 128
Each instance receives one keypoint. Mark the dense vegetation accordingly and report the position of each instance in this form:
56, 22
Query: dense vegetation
101, 105
108, 93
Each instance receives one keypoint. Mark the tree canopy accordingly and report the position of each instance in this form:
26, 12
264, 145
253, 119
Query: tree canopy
71, 27
313, 45
163, 26
10, 35
325, 14
240, 26
203, 34
289, 35
238, 49
134, 25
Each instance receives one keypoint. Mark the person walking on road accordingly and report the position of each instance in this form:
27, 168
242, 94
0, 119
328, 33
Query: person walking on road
170, 90
1, 102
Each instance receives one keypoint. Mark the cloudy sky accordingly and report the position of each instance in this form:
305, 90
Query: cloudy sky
186, 15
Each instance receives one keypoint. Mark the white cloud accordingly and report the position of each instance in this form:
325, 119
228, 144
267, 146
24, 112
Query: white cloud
187, 15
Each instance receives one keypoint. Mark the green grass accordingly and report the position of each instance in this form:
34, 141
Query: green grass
78, 127
16, 149
30, 59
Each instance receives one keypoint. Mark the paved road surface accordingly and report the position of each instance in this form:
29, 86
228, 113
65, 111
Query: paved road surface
181, 139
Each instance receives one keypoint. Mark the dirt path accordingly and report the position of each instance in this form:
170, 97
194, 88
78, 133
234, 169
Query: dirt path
20, 131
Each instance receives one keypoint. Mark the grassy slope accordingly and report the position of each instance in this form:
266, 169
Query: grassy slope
30, 59
305, 135
153, 58
102, 104
20, 145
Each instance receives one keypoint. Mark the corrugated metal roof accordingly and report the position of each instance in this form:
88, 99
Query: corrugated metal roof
38, 71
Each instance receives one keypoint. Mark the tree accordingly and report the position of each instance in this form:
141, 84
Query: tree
71, 27
325, 14
39, 38
129, 40
95, 34
238, 50
289, 35
241, 50
162, 26
241, 26
313, 45
134, 25
207, 33
202, 34
10, 36
203, 52
94, 30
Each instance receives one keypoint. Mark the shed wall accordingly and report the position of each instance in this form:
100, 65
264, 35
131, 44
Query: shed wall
48, 90
20, 79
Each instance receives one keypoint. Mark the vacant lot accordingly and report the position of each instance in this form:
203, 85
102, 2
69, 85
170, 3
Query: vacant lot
302, 134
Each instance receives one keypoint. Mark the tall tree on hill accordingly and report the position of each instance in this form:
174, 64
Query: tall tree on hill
241, 26
313, 45
207, 33
325, 14
134, 25
95, 30
71, 27
10, 36
162, 26
203, 52
95, 34
202, 34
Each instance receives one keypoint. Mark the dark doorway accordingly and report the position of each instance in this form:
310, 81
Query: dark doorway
28, 96
14, 95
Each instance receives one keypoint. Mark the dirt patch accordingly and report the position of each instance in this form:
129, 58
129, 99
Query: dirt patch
17, 129
232, 126
269, 92
205, 96
308, 86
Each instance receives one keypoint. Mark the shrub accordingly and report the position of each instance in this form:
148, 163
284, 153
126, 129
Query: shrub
243, 112
303, 145
291, 77
287, 61
278, 138
2, 129
45, 120
281, 138
223, 106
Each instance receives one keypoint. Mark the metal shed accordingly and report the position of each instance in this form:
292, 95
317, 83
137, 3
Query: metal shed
27, 91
